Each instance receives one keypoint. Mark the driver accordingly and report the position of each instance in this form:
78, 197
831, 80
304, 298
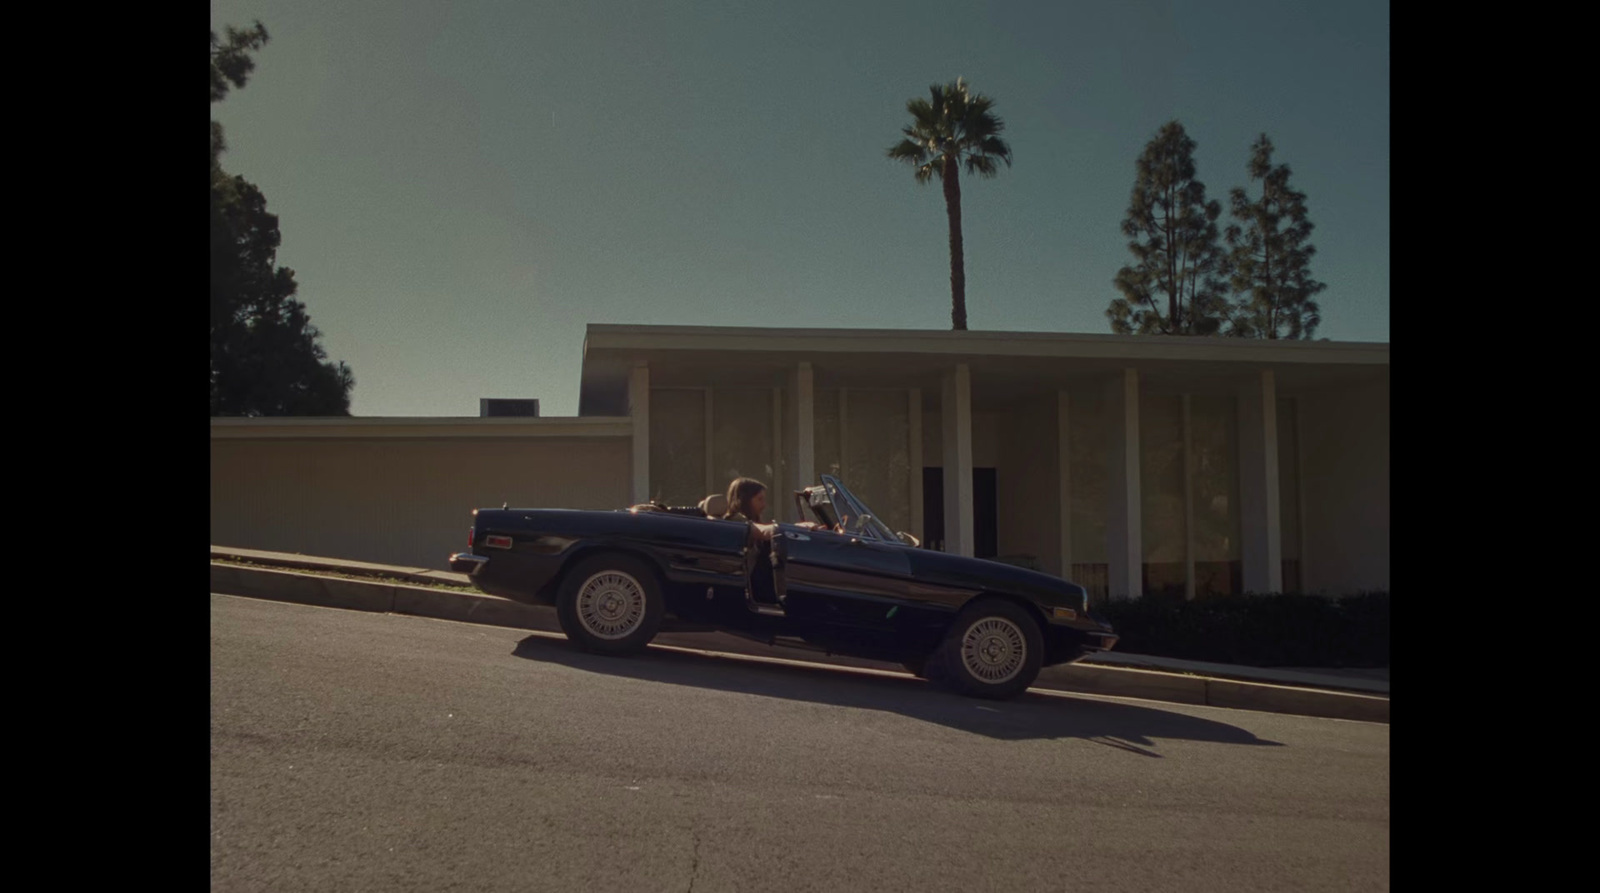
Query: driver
747, 500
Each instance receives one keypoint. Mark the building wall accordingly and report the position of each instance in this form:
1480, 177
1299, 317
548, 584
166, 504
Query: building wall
1344, 448
985, 439
408, 499
394, 501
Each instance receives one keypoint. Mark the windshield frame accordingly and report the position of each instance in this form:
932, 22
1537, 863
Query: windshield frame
853, 508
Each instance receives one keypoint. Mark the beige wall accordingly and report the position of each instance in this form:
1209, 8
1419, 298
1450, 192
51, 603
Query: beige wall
1344, 448
398, 501
985, 439
386, 491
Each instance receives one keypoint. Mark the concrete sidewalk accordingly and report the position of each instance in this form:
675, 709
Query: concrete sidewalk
418, 591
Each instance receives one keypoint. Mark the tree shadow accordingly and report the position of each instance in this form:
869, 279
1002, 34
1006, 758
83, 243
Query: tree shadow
1029, 716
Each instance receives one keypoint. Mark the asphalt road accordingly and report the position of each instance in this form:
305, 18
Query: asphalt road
357, 751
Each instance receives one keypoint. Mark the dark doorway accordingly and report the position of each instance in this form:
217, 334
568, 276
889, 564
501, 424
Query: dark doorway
985, 513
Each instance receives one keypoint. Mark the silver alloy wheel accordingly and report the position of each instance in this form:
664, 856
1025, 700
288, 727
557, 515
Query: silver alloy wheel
610, 605
994, 650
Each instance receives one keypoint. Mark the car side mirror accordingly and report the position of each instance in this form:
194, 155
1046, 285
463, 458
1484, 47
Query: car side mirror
909, 540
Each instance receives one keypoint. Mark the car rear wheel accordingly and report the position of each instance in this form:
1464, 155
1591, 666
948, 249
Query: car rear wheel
611, 604
993, 650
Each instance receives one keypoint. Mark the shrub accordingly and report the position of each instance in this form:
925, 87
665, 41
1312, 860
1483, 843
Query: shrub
1287, 630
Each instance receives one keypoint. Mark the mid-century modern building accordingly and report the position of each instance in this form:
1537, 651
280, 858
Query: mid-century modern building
1126, 463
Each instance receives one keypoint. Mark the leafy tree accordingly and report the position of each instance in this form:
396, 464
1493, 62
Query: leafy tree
231, 64
951, 128
265, 359
1174, 242
1270, 258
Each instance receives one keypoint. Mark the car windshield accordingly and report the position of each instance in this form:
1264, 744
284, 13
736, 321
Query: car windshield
854, 516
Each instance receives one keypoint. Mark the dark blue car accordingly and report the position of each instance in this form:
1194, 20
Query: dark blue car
841, 582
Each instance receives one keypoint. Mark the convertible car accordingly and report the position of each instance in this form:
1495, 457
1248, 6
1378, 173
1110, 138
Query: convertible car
840, 582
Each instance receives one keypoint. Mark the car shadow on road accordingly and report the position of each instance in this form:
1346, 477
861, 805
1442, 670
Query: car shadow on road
1126, 727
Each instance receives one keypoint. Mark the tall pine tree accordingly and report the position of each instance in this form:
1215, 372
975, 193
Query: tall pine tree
1175, 286
1270, 258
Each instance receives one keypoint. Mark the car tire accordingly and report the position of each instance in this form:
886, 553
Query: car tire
611, 604
993, 650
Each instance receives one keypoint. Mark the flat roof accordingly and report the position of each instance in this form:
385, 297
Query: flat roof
419, 427
1001, 362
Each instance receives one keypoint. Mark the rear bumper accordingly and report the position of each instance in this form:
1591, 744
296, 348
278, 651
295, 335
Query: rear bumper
467, 563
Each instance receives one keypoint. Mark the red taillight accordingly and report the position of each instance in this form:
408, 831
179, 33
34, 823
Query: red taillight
470, 532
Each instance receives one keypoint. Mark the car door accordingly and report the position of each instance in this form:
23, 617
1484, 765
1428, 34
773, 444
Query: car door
843, 579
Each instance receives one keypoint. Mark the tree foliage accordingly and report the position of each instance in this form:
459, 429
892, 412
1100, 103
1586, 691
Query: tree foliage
265, 359
1270, 257
1176, 285
231, 65
950, 129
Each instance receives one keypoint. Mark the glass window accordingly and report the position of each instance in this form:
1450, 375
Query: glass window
741, 436
825, 432
1161, 492
1289, 492
1088, 445
877, 467
678, 446
1214, 479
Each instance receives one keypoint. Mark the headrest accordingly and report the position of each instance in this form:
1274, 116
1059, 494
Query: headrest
715, 505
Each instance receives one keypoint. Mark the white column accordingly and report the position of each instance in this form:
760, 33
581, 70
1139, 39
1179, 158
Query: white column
777, 489
639, 411
1262, 547
914, 448
1300, 484
844, 435
1064, 476
1124, 520
713, 484
956, 414
803, 452
1188, 498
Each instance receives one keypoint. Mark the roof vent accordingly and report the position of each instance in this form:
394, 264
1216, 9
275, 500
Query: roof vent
489, 407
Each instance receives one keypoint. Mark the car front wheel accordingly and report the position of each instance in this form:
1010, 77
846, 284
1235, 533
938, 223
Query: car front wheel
993, 650
611, 604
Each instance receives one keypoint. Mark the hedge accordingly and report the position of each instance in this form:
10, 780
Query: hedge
1286, 630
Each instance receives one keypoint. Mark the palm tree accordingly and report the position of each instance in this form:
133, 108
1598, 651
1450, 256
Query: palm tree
952, 127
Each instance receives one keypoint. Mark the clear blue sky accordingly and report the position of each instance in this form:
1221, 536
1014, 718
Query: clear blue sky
463, 186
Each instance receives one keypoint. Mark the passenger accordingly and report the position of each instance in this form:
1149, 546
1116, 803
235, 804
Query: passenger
747, 500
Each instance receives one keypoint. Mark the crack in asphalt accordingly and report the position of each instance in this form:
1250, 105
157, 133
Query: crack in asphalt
694, 869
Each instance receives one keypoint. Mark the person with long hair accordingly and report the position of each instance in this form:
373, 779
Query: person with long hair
747, 500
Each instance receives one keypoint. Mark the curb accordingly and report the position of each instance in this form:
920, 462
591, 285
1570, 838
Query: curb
386, 596
378, 596
356, 568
